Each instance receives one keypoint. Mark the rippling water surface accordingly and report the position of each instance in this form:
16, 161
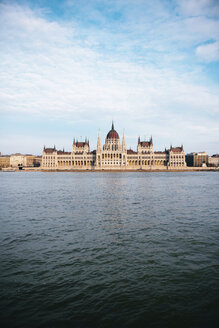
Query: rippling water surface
109, 249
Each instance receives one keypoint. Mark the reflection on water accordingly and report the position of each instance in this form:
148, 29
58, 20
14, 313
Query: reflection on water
109, 249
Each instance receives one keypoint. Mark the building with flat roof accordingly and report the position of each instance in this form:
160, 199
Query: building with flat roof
213, 160
197, 159
4, 161
19, 161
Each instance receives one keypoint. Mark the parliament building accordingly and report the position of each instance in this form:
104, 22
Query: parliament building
113, 156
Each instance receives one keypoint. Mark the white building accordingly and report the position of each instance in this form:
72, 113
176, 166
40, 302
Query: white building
113, 155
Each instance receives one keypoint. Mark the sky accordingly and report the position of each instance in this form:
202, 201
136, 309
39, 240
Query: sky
68, 68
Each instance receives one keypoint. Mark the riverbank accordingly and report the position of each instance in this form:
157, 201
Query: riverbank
188, 169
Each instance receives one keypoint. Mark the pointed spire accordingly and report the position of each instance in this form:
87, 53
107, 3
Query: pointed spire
151, 141
123, 141
99, 145
44, 147
139, 140
74, 146
112, 125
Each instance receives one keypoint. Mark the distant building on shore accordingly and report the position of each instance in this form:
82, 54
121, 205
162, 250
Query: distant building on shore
197, 159
28, 160
4, 161
113, 155
20, 161
213, 160
17, 160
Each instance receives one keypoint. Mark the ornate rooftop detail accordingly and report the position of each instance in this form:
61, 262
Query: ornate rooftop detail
112, 134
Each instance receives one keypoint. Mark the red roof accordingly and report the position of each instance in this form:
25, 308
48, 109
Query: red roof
49, 150
176, 149
112, 134
130, 151
61, 152
145, 144
80, 144
159, 152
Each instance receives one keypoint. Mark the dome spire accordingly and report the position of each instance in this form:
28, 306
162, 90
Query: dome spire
112, 134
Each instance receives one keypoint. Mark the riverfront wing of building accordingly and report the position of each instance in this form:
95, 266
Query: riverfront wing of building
113, 155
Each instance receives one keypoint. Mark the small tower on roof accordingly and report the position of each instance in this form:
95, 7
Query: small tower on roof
99, 145
123, 141
145, 146
74, 146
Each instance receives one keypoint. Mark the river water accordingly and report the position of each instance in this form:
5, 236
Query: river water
109, 249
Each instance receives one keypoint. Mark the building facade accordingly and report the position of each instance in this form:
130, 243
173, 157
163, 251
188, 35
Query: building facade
4, 161
197, 159
213, 160
22, 161
113, 155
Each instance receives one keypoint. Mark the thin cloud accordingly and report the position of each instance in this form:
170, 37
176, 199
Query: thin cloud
199, 7
63, 69
208, 52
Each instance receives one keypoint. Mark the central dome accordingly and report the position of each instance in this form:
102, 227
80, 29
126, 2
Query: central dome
112, 134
